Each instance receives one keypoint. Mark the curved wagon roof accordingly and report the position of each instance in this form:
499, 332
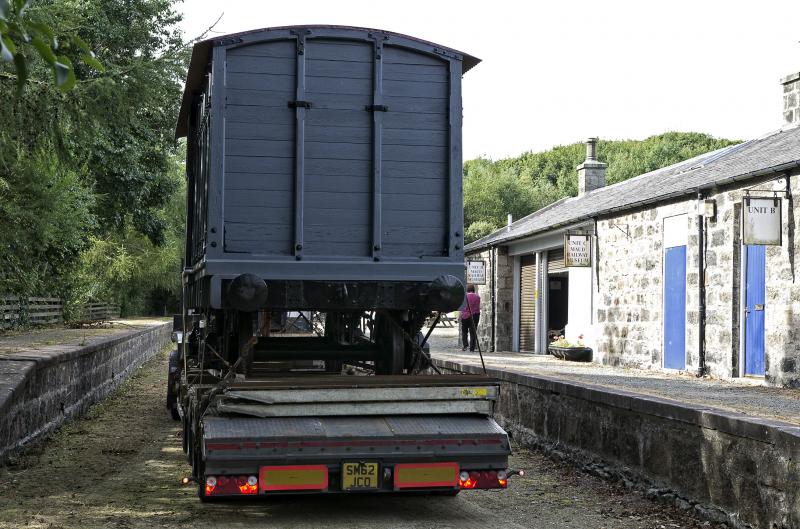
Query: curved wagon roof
202, 51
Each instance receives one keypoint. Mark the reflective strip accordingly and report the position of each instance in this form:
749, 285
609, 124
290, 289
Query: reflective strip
294, 477
416, 475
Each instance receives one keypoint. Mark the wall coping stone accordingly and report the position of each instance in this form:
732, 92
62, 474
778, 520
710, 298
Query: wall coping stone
738, 424
51, 354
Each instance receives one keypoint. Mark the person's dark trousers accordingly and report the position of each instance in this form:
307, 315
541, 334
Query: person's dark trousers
468, 329
473, 331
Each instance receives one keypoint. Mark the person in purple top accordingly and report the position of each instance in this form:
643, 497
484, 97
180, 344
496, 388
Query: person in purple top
470, 311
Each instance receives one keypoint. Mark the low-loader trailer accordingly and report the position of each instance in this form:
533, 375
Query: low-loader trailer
324, 180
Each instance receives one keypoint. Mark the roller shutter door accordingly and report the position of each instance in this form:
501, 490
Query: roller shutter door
555, 261
527, 304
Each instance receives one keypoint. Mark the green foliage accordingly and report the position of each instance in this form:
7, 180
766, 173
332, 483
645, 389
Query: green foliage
129, 268
531, 181
24, 26
88, 177
46, 211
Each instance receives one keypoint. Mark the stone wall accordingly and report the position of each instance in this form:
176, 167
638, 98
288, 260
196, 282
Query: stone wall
504, 299
43, 388
503, 274
725, 466
629, 308
791, 99
629, 302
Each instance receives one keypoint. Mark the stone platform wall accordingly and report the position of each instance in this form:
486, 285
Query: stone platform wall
727, 467
42, 389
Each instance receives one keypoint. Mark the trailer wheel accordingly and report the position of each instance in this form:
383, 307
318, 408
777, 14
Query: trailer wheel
185, 436
391, 345
172, 383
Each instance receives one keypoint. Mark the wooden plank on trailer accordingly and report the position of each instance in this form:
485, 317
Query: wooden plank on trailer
357, 409
365, 394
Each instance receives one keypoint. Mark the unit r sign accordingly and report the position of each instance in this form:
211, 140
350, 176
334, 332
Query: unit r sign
577, 250
762, 221
476, 272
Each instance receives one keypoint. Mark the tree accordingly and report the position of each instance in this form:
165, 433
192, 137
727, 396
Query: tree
528, 182
95, 163
22, 26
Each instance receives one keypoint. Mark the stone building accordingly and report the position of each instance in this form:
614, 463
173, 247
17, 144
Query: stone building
670, 282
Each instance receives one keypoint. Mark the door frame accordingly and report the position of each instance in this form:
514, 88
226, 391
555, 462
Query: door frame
671, 238
742, 307
515, 303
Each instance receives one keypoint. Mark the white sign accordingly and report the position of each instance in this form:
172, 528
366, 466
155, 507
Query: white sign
577, 250
762, 221
476, 272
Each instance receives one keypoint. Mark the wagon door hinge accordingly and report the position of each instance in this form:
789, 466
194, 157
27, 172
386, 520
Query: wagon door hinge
376, 108
299, 104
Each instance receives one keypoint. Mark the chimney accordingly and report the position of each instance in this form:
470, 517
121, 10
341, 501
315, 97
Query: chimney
510, 222
591, 173
791, 100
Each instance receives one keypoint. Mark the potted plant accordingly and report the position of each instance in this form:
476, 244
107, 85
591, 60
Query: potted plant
562, 348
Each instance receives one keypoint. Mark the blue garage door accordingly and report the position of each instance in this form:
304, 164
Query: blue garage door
754, 311
675, 307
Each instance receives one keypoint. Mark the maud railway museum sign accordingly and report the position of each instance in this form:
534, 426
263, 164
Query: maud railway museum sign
762, 221
577, 250
476, 272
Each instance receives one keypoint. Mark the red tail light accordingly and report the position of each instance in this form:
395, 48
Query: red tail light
231, 485
484, 479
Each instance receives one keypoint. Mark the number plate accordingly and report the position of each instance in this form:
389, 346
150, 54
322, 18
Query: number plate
359, 476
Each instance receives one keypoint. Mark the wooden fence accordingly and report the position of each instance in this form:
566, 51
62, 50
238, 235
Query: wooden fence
19, 311
98, 312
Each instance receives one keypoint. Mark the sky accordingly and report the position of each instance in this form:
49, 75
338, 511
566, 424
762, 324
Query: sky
558, 71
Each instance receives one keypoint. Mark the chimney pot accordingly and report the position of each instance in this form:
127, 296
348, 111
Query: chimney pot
591, 149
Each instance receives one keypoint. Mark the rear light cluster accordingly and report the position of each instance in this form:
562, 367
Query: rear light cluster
483, 479
231, 485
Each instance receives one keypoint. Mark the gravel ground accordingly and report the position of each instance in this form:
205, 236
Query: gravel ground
121, 466
742, 396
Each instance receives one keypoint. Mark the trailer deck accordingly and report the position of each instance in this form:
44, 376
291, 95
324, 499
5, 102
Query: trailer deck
355, 433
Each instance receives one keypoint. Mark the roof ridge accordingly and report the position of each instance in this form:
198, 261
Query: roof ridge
749, 158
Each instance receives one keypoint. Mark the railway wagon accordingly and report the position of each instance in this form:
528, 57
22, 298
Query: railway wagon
324, 175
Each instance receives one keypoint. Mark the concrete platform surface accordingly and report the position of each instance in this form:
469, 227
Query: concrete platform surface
38, 339
736, 395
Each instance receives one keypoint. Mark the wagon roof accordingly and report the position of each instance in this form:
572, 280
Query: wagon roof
202, 51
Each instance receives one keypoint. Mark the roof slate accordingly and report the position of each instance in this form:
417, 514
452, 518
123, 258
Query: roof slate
773, 152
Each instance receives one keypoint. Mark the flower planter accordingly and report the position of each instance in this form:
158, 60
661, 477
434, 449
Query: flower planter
575, 354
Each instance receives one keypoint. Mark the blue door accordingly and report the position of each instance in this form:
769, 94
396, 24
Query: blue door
755, 287
675, 307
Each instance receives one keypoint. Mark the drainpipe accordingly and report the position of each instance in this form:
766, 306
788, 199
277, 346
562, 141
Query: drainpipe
493, 259
701, 282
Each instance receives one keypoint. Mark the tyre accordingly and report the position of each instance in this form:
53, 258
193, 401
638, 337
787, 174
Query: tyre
172, 384
392, 346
